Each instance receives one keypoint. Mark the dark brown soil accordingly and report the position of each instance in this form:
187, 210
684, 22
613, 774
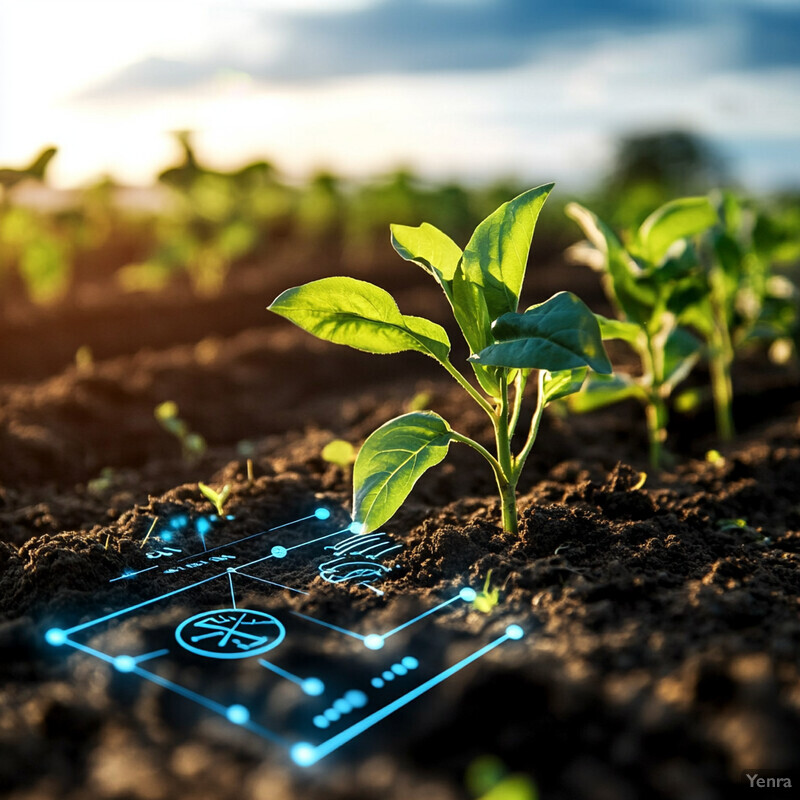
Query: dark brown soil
663, 646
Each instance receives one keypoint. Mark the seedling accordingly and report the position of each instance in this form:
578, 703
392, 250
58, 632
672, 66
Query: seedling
488, 598
559, 340
650, 285
218, 499
193, 445
339, 452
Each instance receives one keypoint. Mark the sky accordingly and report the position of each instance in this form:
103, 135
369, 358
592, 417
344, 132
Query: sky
468, 89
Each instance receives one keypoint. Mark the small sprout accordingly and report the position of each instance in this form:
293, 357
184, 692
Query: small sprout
108, 539
217, 498
419, 402
339, 452
487, 599
641, 482
732, 524
148, 533
193, 445
102, 483
250, 478
84, 358
561, 547
715, 457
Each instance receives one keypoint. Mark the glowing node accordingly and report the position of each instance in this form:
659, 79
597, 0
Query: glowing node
409, 662
342, 706
373, 642
356, 527
237, 714
332, 714
387, 676
377, 683
320, 721
467, 594
230, 516
230, 633
514, 632
303, 754
213, 517
279, 552
165, 536
203, 526
55, 637
322, 513
399, 669
313, 687
355, 698
125, 663
178, 522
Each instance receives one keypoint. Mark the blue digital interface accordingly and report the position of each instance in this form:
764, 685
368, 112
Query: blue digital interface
240, 628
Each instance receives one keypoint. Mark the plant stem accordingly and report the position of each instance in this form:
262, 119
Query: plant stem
720, 359
519, 390
506, 478
468, 387
478, 448
655, 408
534, 429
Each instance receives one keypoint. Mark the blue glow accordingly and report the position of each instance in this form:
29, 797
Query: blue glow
321, 722
303, 754
125, 663
278, 551
322, 513
222, 637
55, 637
399, 670
237, 714
332, 714
342, 706
514, 632
355, 698
356, 527
178, 522
373, 641
165, 536
213, 517
230, 516
467, 594
202, 525
388, 676
313, 687
377, 683
409, 662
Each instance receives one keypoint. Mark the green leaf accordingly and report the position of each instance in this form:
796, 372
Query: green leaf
624, 281
497, 254
429, 248
681, 352
361, 315
561, 333
392, 460
618, 329
561, 384
678, 219
605, 390
339, 452
217, 499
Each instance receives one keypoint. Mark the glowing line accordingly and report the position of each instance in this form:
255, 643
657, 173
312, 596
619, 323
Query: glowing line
148, 656
251, 536
272, 583
421, 616
131, 574
328, 625
144, 603
359, 537
311, 541
387, 550
335, 742
90, 651
261, 731
282, 672
377, 591
212, 705
233, 594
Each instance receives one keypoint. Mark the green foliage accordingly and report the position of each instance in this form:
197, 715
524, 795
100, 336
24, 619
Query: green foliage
560, 339
217, 499
193, 445
339, 452
486, 600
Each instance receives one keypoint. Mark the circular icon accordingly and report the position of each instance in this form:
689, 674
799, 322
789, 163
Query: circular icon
230, 633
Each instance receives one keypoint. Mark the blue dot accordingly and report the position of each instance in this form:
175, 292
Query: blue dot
399, 669
514, 632
237, 714
55, 637
409, 662
178, 522
356, 527
213, 517
230, 516
355, 698
303, 754
342, 706
467, 594
387, 676
332, 714
165, 536
378, 683
373, 642
125, 663
231, 569
320, 721
313, 687
202, 525
279, 552
322, 513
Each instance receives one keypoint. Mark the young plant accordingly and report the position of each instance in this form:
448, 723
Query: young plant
193, 445
558, 339
217, 499
339, 452
650, 283
488, 597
